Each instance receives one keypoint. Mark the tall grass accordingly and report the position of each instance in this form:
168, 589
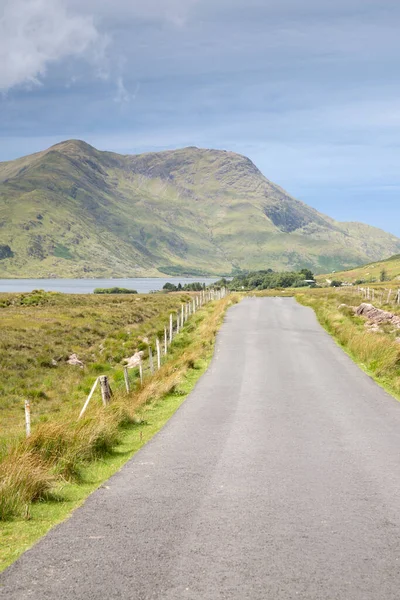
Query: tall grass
58, 449
378, 352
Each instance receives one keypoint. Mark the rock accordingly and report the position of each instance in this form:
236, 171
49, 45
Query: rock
74, 361
378, 316
342, 306
134, 361
54, 362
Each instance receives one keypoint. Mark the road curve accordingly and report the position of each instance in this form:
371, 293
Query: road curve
278, 478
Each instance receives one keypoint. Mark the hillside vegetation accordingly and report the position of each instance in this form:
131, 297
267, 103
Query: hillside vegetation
75, 211
386, 270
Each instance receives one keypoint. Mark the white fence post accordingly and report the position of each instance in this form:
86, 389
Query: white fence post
88, 399
165, 341
126, 377
151, 361
27, 418
158, 354
171, 327
141, 372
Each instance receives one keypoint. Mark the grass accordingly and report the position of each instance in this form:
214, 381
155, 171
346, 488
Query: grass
39, 331
378, 353
46, 476
369, 273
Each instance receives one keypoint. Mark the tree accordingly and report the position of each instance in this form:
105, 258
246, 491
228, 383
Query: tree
170, 287
336, 283
383, 276
307, 274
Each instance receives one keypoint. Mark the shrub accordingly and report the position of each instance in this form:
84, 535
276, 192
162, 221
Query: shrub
114, 290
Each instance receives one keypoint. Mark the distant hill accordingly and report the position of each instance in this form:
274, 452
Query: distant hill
75, 211
368, 273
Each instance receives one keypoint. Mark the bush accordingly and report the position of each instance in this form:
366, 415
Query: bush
114, 290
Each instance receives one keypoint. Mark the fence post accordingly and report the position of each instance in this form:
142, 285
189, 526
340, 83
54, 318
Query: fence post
105, 389
171, 327
141, 372
194, 306
165, 342
126, 377
186, 312
158, 354
27, 418
177, 322
88, 399
151, 361
182, 315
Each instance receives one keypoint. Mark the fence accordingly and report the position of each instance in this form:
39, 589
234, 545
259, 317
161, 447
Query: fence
147, 368
378, 295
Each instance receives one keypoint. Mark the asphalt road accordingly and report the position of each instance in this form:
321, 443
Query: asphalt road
278, 478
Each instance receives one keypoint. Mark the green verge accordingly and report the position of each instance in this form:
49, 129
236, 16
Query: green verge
19, 534
377, 353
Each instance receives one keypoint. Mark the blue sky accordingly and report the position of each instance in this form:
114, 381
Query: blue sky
308, 89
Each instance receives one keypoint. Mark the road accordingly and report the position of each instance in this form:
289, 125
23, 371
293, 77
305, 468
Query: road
278, 478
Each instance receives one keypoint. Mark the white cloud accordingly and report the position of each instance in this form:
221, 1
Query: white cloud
36, 33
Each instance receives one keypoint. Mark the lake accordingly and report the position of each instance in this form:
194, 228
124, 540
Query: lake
143, 285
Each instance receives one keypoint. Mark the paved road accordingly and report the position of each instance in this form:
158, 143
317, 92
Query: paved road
279, 478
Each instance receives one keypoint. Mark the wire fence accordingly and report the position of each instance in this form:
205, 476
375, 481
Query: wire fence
158, 354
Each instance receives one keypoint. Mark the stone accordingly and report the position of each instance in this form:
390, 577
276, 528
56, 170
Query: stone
134, 361
74, 361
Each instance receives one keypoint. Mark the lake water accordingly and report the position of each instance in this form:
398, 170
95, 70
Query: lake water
143, 285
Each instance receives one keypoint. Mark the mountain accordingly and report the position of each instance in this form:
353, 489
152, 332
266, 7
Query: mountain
75, 211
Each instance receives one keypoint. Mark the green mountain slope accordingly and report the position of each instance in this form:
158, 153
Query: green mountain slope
75, 211
369, 273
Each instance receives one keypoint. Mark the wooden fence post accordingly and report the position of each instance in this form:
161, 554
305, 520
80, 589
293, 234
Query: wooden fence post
141, 372
182, 315
105, 390
27, 418
171, 327
126, 377
165, 341
177, 322
158, 354
88, 399
151, 361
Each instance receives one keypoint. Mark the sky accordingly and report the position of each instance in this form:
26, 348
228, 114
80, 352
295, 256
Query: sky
308, 89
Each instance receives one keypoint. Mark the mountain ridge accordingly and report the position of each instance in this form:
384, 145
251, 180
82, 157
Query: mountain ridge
72, 210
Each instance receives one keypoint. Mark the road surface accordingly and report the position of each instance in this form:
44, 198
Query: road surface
279, 478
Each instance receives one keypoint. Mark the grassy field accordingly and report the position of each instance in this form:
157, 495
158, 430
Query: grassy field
377, 352
44, 477
39, 331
